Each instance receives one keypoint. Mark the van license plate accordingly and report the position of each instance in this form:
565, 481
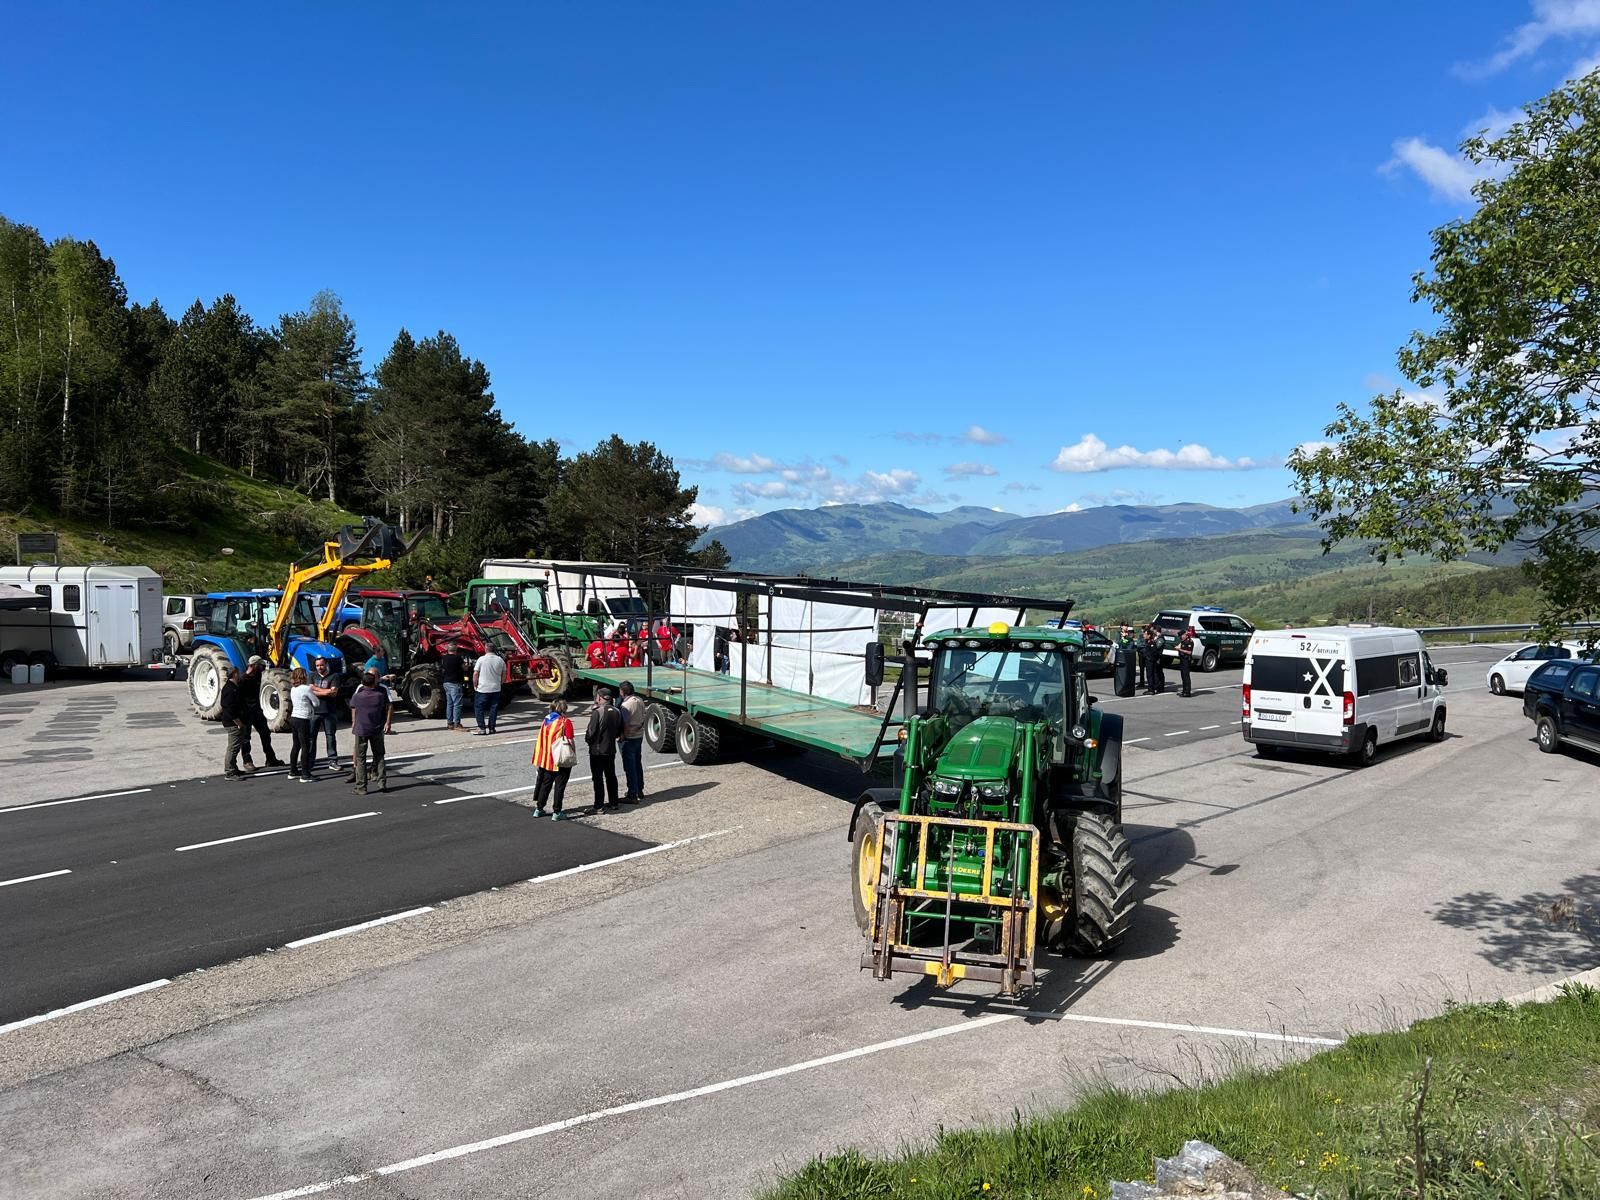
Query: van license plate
1281, 717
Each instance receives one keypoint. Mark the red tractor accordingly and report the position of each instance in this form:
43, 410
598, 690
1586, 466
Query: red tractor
413, 630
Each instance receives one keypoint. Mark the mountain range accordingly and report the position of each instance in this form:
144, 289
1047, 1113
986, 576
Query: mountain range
796, 540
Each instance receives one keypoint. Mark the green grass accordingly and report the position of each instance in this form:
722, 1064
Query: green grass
209, 508
1512, 1109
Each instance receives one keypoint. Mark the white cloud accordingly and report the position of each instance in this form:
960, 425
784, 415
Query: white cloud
755, 464
1448, 176
978, 435
969, 469
804, 474
895, 482
1493, 124
1552, 20
744, 514
1311, 447
707, 514
1585, 65
1090, 454
773, 489
1071, 508
1017, 486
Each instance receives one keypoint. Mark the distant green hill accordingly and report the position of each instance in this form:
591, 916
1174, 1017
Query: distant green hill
1272, 577
207, 509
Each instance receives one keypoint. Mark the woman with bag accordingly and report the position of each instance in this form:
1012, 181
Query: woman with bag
554, 753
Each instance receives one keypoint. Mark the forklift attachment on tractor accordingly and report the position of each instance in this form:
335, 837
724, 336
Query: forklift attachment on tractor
956, 899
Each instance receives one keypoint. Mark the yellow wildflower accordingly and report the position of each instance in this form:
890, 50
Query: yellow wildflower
1478, 1165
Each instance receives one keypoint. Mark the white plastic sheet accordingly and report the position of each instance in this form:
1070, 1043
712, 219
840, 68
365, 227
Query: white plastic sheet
962, 618
820, 648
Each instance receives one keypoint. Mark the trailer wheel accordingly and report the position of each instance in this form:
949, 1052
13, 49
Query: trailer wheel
660, 728
275, 699
698, 740
867, 860
171, 643
208, 671
1102, 886
422, 692
559, 681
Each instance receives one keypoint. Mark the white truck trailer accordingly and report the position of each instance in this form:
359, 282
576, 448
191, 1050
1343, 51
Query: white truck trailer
99, 616
589, 589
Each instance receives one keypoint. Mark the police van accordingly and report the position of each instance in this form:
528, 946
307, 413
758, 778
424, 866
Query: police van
1344, 689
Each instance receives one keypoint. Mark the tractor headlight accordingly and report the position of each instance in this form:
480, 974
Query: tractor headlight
947, 787
994, 791
1079, 732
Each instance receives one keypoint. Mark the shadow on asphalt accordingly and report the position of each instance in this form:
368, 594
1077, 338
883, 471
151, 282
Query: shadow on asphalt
1536, 931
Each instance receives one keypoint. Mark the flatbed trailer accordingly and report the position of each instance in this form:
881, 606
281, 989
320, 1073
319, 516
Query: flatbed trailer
710, 700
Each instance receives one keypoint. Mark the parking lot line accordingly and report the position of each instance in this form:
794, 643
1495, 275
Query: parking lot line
245, 837
31, 878
608, 862
1176, 733
1135, 741
83, 1004
75, 800
1203, 728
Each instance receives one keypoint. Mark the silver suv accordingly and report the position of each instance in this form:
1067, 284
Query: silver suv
181, 619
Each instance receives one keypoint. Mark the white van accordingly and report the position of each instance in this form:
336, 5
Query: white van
1345, 689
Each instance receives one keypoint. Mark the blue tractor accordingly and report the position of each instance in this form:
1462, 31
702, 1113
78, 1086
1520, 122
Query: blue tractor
242, 624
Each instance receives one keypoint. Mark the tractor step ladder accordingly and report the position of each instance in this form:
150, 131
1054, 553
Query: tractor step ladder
1013, 967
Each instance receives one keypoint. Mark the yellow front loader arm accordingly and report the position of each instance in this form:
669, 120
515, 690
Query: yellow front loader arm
377, 543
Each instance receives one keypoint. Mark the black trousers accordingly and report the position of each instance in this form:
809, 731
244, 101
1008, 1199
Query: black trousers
551, 789
603, 769
1155, 673
300, 746
1183, 671
256, 719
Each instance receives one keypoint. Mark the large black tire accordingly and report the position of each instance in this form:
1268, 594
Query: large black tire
9, 659
1367, 753
1497, 685
208, 671
171, 643
867, 854
661, 728
275, 699
422, 692
1102, 886
1547, 733
1209, 660
1436, 730
699, 740
559, 682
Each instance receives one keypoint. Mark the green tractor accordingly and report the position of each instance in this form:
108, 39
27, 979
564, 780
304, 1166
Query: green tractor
1005, 836
564, 636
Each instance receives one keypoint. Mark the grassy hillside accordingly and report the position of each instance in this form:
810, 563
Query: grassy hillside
1272, 577
209, 508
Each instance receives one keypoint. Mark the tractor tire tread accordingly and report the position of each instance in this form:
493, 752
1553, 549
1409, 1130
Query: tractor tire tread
1103, 880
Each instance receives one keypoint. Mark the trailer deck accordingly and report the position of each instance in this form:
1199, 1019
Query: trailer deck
788, 716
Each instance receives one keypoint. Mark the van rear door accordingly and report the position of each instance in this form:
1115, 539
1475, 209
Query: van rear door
1296, 687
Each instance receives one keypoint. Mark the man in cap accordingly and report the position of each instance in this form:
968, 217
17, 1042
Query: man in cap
369, 707
254, 718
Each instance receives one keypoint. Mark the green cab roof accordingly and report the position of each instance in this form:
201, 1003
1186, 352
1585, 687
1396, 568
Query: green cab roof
1041, 634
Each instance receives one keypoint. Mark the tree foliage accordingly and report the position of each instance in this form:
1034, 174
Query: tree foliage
1502, 445
96, 395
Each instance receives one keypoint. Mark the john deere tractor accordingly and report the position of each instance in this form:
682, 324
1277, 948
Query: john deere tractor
1005, 837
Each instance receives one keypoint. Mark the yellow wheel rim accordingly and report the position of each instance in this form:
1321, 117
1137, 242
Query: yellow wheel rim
869, 861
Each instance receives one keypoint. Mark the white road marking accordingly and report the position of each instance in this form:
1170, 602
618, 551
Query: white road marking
1176, 733
512, 791
1298, 1039
607, 862
245, 837
31, 878
1134, 741
333, 933
710, 1089
83, 1004
74, 800
1203, 728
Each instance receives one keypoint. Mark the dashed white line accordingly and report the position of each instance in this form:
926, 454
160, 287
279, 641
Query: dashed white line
607, 862
512, 791
710, 1089
75, 800
1176, 733
333, 933
1134, 741
1203, 728
83, 1004
31, 878
245, 837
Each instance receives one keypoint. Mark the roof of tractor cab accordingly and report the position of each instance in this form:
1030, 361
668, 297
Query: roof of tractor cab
264, 594
391, 594
1041, 635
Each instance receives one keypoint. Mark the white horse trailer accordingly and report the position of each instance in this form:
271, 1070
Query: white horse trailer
99, 616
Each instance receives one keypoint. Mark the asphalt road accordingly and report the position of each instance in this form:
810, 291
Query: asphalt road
693, 1021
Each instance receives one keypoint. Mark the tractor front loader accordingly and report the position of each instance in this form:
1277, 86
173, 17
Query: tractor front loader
1005, 837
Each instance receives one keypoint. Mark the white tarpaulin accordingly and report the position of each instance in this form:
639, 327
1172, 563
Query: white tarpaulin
709, 609
820, 648
962, 618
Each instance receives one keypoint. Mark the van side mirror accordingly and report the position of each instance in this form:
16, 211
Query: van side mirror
1441, 677
874, 667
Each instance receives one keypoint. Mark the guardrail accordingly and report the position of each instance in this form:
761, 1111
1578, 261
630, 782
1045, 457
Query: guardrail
1471, 631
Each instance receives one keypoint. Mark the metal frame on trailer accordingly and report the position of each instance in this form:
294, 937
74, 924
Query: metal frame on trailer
911, 600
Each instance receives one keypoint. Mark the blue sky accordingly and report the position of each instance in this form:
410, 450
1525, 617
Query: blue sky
1026, 257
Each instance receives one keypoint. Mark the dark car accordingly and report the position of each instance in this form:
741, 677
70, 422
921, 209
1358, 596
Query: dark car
1562, 698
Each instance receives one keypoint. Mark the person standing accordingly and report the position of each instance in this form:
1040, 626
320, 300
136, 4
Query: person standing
233, 721
1185, 659
254, 718
488, 677
604, 728
1152, 661
368, 707
453, 674
379, 665
719, 651
1136, 648
301, 701
556, 745
325, 710
632, 744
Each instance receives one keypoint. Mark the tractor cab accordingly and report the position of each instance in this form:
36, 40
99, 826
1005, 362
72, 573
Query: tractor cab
244, 617
395, 619
1025, 679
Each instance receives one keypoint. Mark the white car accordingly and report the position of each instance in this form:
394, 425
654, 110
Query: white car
1511, 673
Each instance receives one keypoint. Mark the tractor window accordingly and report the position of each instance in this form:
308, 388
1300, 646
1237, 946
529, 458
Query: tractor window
533, 598
427, 608
1002, 682
304, 622
495, 600
627, 606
